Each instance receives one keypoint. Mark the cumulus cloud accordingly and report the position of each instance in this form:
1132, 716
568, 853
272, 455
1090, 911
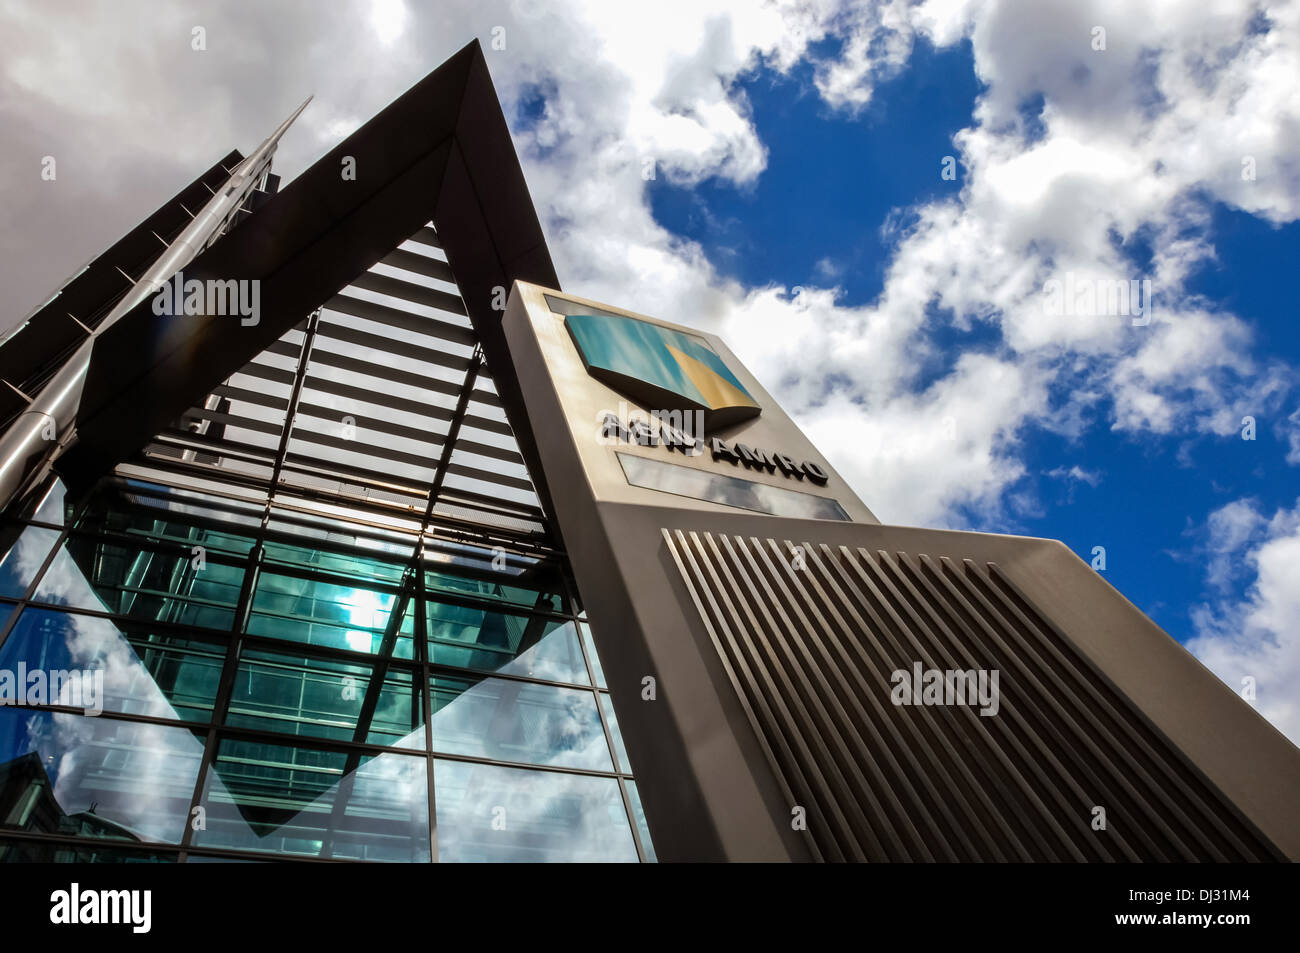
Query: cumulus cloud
1258, 638
1071, 154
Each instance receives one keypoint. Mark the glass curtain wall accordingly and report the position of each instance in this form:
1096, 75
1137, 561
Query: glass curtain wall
277, 693
330, 618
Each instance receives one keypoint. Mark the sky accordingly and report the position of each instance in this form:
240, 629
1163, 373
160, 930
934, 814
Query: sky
903, 217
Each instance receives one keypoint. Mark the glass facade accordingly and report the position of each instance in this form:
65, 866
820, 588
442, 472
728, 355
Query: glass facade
321, 616
270, 694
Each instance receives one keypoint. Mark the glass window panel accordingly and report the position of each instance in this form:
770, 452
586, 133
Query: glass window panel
26, 550
50, 509
312, 802
33, 852
95, 777
161, 521
323, 613
215, 859
727, 490
611, 719
540, 815
144, 673
638, 815
143, 583
532, 646
504, 589
507, 720
352, 566
596, 669
324, 698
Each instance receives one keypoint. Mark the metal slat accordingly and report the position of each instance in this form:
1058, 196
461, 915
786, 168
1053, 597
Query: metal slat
427, 236
327, 385
380, 373
409, 291
391, 345
400, 320
334, 415
419, 264
379, 452
807, 652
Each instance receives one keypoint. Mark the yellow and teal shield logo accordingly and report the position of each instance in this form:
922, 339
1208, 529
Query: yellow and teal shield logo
660, 368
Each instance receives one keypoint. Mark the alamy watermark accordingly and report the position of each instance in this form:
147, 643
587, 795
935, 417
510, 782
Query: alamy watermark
77, 688
679, 429
213, 297
933, 686
133, 908
1099, 297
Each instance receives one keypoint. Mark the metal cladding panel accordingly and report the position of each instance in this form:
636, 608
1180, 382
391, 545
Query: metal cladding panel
772, 687
809, 637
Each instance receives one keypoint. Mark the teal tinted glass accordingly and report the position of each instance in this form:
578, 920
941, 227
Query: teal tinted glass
547, 815
506, 642
350, 565
144, 673
505, 589
326, 698
161, 523
143, 583
95, 777
313, 802
507, 720
32, 852
325, 613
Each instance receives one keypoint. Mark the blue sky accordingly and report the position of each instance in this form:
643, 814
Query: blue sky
797, 209
832, 182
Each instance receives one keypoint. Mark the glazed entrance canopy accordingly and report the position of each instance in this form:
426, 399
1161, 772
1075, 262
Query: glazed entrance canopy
440, 152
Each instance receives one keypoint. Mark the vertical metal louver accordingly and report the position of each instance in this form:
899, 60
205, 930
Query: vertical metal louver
809, 636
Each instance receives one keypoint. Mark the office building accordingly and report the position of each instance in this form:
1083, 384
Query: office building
372, 543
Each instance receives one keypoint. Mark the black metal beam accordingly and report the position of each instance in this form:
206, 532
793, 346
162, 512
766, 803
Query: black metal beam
440, 152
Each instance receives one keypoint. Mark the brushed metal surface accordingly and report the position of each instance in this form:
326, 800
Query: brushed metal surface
809, 635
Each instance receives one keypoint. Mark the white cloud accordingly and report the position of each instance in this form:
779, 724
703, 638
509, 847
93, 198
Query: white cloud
1259, 637
388, 19
1075, 474
1132, 141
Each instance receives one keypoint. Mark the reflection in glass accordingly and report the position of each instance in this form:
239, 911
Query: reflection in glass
325, 613
142, 583
50, 509
313, 802
324, 698
34, 852
217, 859
531, 646
638, 815
539, 815
507, 720
727, 490
620, 753
95, 777
596, 669
170, 521
25, 550
163, 676
355, 567
505, 589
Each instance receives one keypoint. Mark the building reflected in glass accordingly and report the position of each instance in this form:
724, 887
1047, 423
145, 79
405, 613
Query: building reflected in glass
323, 699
